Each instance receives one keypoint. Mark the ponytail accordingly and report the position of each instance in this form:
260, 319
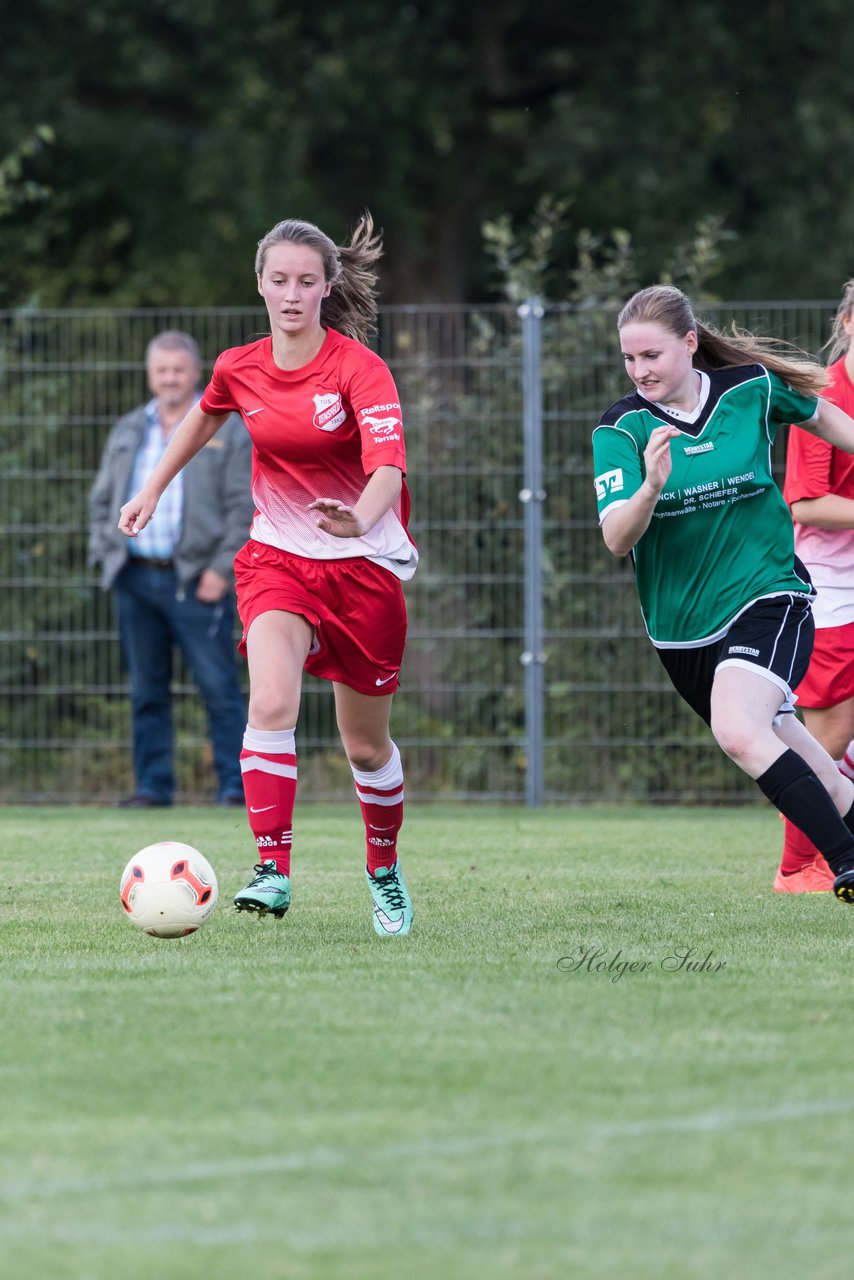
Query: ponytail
669, 307
351, 307
839, 342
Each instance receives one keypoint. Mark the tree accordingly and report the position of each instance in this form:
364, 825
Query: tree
16, 189
185, 130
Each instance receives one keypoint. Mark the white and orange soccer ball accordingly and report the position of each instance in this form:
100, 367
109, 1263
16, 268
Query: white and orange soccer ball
168, 889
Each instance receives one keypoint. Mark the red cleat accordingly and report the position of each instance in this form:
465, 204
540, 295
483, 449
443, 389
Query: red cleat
815, 877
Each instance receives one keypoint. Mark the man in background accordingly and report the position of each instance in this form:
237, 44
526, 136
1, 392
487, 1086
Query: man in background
172, 584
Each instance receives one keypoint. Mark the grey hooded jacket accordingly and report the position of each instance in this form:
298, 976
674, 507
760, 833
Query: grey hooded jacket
217, 509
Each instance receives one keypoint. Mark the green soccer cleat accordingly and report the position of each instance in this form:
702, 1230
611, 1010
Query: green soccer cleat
392, 903
269, 891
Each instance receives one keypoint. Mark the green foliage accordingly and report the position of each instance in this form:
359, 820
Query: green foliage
182, 135
530, 262
592, 626
16, 189
524, 263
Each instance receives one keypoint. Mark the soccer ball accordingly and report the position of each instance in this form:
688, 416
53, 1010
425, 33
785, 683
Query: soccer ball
168, 889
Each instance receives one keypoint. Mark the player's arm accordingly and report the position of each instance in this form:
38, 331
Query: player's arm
378, 496
191, 435
832, 424
830, 511
625, 524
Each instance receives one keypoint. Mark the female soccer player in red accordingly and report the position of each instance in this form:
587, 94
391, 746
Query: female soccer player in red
819, 488
319, 581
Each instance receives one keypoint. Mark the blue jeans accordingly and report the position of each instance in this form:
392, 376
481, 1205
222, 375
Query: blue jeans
155, 613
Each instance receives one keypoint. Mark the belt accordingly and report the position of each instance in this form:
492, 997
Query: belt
153, 562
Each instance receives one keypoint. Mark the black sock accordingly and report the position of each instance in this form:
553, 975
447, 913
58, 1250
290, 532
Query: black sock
848, 819
796, 791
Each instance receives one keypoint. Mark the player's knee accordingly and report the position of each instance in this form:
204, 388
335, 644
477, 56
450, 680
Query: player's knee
269, 709
735, 739
361, 756
365, 754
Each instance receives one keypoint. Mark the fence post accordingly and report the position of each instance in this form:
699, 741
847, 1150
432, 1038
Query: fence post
532, 497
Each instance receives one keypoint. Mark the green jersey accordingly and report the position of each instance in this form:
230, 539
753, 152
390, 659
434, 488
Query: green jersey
721, 534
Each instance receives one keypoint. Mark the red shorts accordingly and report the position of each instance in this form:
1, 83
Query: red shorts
356, 607
830, 676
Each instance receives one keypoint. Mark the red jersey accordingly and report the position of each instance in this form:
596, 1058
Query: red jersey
317, 432
815, 468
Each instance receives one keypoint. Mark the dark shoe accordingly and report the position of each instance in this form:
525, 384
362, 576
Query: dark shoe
843, 886
141, 801
232, 801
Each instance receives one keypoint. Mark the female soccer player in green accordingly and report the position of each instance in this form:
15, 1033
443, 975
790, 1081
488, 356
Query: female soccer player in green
684, 484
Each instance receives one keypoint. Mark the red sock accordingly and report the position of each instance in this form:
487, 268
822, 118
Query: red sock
381, 800
269, 765
798, 850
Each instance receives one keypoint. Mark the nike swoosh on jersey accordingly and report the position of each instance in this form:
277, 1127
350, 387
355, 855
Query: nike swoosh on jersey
391, 677
390, 926
250, 413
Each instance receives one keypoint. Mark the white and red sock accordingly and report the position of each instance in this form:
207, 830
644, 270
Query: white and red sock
846, 764
268, 763
381, 799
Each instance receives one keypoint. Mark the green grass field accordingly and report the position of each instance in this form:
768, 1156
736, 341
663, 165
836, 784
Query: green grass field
303, 1099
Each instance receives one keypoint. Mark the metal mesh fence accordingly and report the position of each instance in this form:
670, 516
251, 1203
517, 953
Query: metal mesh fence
612, 729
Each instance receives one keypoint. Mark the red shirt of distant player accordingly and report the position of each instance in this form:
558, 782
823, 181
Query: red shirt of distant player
815, 468
317, 432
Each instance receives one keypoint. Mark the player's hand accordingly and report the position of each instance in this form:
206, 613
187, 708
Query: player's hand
212, 587
336, 518
656, 457
136, 513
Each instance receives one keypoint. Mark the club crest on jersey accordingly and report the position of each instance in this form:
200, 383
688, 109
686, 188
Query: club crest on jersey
329, 413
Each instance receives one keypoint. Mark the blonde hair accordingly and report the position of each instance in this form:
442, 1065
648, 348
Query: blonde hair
351, 307
668, 306
839, 342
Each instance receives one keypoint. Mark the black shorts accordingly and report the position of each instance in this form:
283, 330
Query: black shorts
774, 637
